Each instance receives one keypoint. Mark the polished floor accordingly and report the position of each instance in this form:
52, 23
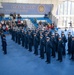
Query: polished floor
20, 61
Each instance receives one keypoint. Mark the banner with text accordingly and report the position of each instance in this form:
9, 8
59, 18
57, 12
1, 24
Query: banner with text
26, 9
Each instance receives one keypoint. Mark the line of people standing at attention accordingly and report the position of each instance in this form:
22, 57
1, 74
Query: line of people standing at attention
44, 42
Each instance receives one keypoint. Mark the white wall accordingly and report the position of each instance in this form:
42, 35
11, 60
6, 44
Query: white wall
29, 1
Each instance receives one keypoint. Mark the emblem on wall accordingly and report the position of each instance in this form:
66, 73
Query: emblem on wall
41, 8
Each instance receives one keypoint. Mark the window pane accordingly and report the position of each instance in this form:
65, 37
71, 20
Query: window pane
69, 7
65, 7
72, 11
66, 12
61, 9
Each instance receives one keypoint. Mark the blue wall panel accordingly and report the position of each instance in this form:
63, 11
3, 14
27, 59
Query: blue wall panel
26, 9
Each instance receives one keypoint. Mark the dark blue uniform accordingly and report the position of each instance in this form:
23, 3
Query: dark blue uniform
64, 41
2, 36
38, 36
22, 38
19, 37
30, 40
72, 49
48, 51
26, 40
16, 36
4, 45
42, 43
45, 36
69, 43
53, 41
60, 49
2, 39
12, 33
36, 43
56, 37
32, 34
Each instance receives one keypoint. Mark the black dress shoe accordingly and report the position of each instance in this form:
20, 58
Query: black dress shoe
71, 58
57, 59
48, 62
67, 53
42, 58
36, 54
53, 56
39, 57
30, 51
33, 53
60, 60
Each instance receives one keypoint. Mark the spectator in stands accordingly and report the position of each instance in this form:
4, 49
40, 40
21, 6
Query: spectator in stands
7, 28
25, 24
14, 15
3, 25
45, 15
52, 26
48, 26
18, 16
19, 22
40, 25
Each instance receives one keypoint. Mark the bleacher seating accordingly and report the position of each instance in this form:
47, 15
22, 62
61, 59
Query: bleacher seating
40, 19
32, 19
